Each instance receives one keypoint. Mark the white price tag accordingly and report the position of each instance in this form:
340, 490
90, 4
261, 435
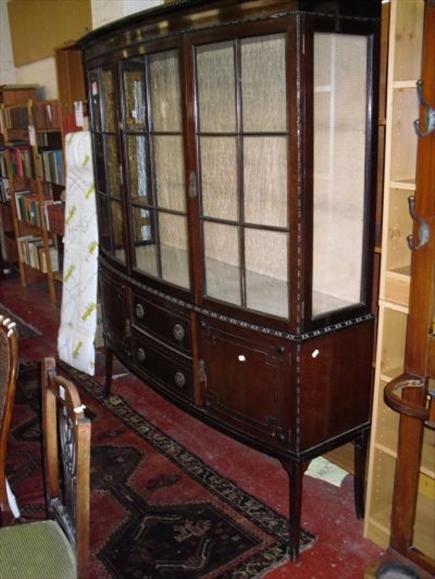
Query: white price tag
78, 112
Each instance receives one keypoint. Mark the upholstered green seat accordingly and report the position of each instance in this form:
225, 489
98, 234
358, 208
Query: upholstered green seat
36, 551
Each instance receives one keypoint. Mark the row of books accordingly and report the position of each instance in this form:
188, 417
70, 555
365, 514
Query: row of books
27, 207
53, 169
47, 115
16, 117
31, 251
54, 212
21, 161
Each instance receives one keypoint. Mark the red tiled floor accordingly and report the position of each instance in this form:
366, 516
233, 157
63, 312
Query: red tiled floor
340, 553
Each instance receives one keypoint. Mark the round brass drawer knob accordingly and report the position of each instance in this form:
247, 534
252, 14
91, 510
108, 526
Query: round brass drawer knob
178, 332
140, 311
180, 379
140, 355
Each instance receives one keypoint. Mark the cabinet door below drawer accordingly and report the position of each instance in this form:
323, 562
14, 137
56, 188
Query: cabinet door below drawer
247, 382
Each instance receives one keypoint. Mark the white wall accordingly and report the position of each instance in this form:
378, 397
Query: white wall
43, 72
105, 11
7, 68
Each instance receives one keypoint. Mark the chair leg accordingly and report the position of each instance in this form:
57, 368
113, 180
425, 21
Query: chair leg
360, 458
108, 369
295, 471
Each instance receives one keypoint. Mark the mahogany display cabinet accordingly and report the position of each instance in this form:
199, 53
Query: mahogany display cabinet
234, 153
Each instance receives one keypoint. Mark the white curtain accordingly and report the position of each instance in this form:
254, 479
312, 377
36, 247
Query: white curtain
80, 270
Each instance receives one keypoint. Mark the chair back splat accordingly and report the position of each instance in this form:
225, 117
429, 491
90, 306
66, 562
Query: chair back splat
67, 434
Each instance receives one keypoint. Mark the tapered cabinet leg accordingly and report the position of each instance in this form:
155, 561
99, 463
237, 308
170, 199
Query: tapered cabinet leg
108, 369
295, 473
360, 457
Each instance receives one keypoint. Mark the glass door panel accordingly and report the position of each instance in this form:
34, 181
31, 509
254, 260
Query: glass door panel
174, 248
219, 177
107, 162
134, 96
100, 167
94, 90
108, 101
155, 150
216, 84
265, 180
242, 139
112, 228
144, 243
222, 262
263, 64
137, 156
165, 92
267, 271
112, 166
340, 112
169, 171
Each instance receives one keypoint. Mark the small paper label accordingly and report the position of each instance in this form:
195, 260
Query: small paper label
94, 88
32, 136
78, 112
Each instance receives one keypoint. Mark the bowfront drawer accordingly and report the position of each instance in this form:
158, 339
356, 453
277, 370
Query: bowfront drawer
164, 323
163, 365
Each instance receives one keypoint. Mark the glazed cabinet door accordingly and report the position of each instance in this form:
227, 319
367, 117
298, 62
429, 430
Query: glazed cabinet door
152, 129
246, 380
242, 139
107, 163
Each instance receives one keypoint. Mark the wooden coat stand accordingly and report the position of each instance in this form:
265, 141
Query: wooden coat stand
411, 394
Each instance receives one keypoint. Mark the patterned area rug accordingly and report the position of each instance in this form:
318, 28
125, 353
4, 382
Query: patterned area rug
157, 510
25, 330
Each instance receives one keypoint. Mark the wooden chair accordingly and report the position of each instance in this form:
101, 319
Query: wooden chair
59, 547
8, 378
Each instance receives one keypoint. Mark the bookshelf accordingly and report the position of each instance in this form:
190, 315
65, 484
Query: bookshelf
13, 133
47, 150
32, 169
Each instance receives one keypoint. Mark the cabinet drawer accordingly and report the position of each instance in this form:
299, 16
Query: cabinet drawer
163, 365
163, 323
247, 381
